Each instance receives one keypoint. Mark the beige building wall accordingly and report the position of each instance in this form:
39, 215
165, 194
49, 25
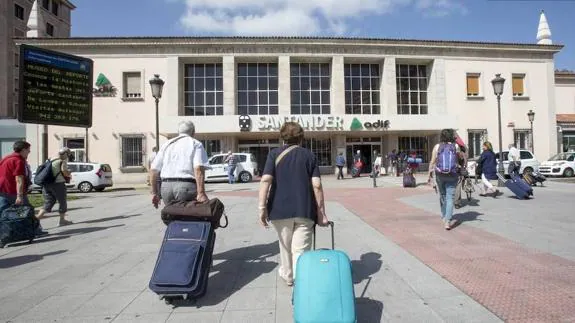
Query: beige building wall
565, 92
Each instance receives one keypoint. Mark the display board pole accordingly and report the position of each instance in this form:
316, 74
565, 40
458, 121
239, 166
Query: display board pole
45, 143
87, 145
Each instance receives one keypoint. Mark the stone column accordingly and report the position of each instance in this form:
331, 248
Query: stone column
284, 85
388, 89
229, 74
337, 95
436, 96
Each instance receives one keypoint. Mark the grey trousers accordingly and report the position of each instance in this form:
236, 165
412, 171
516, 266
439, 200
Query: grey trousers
55, 192
178, 191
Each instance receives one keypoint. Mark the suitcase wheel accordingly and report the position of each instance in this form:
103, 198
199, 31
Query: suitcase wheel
30, 241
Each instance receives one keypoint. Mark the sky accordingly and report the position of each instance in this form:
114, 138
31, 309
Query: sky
466, 20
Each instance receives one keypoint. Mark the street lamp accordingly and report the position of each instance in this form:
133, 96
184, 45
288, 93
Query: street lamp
157, 85
498, 83
531, 116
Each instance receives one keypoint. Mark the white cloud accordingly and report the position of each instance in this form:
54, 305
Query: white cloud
295, 17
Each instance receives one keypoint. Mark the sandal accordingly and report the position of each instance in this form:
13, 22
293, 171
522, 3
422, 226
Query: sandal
65, 223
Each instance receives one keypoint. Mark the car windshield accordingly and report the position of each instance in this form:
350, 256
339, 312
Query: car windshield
563, 156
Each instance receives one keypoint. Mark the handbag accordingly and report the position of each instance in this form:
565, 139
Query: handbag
211, 210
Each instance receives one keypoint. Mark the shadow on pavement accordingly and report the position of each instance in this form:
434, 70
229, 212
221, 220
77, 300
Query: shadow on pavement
39, 240
239, 267
112, 218
367, 309
22, 260
70, 232
468, 216
125, 195
472, 202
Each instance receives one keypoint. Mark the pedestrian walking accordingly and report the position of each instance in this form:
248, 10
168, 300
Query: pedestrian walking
56, 191
514, 158
291, 198
232, 162
149, 165
444, 166
340, 163
14, 176
392, 160
181, 162
487, 169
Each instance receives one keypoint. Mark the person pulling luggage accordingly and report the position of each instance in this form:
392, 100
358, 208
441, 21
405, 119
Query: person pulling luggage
181, 180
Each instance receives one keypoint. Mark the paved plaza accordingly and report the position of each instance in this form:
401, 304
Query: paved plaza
508, 260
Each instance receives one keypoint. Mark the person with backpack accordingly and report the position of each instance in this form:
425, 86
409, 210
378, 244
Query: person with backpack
444, 166
52, 176
340, 163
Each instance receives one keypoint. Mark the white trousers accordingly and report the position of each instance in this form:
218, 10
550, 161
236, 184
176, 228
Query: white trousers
295, 236
487, 185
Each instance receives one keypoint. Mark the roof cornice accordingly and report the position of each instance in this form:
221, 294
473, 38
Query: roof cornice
286, 41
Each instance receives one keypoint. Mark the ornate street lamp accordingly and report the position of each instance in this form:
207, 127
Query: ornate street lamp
157, 85
498, 83
531, 116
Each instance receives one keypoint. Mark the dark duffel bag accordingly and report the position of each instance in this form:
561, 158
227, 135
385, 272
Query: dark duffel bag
212, 210
18, 223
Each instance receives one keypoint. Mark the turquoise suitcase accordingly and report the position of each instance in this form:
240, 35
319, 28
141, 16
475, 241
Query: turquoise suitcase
323, 289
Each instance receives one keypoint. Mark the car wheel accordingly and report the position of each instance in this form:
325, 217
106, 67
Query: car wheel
568, 172
85, 187
245, 177
527, 170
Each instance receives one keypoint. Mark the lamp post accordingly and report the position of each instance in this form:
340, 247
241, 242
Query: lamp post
531, 116
157, 85
498, 83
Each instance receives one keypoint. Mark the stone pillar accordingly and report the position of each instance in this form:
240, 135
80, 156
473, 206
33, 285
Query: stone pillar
174, 104
337, 95
284, 85
388, 89
436, 89
229, 74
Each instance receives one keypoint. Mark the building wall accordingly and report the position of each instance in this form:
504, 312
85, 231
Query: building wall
448, 104
565, 97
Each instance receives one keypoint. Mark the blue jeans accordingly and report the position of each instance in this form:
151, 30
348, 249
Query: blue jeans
231, 172
446, 186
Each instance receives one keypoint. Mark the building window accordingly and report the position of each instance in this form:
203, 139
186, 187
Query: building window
132, 85
518, 85
411, 89
475, 139
568, 142
362, 89
132, 151
522, 139
77, 149
473, 84
419, 145
257, 88
55, 8
204, 90
321, 148
212, 147
310, 84
49, 29
19, 11
46, 4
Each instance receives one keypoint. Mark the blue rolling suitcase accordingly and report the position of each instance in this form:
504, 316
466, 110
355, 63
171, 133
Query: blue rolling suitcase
518, 187
183, 265
323, 289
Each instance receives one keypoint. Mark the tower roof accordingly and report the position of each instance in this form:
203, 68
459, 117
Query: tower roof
543, 32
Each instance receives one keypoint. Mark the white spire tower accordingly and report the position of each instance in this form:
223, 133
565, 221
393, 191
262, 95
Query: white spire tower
543, 32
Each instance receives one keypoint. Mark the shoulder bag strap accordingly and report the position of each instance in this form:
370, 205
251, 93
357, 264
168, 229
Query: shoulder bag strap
283, 153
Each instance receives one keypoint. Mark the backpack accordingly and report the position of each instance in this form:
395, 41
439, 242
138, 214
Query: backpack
447, 159
44, 174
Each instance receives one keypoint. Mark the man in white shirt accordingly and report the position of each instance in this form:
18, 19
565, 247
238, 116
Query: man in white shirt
150, 160
514, 160
181, 161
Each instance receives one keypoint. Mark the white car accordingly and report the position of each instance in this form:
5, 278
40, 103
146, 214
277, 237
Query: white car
85, 177
245, 169
562, 164
528, 162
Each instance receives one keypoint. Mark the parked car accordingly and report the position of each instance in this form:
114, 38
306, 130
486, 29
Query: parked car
85, 177
562, 164
528, 162
245, 170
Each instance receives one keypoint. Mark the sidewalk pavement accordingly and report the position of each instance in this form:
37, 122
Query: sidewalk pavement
98, 269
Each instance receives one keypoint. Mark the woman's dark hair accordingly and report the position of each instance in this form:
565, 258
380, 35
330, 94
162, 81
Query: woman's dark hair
447, 135
20, 145
291, 133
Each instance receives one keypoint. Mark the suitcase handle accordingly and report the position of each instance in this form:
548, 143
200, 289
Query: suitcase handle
331, 225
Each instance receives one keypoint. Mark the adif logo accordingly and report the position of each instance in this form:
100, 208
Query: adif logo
245, 123
355, 124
